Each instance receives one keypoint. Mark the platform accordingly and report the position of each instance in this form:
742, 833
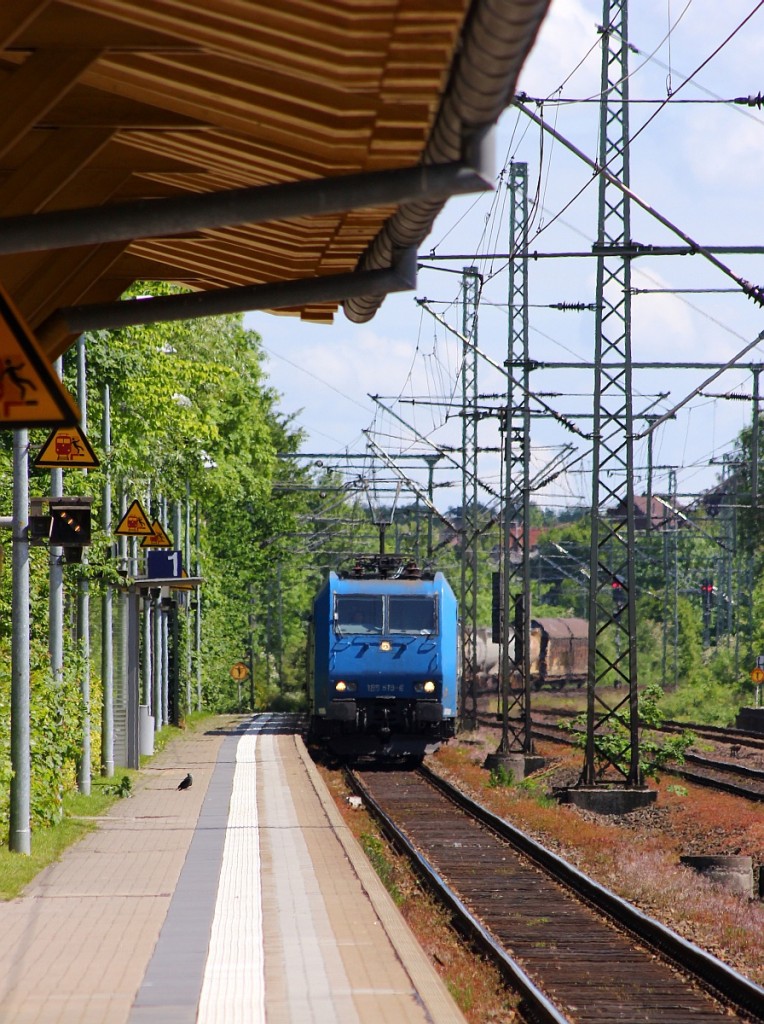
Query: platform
242, 899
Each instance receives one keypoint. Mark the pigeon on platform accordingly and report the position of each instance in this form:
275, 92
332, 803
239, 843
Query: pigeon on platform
186, 783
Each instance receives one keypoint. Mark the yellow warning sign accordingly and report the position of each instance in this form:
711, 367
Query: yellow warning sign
757, 675
66, 446
239, 671
158, 538
134, 522
31, 395
182, 586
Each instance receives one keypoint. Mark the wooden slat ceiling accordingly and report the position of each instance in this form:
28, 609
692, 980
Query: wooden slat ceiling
112, 100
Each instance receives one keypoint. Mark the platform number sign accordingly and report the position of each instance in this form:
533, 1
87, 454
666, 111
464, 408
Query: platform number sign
163, 565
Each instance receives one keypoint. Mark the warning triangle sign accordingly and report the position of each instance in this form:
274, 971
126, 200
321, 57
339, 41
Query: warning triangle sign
31, 395
134, 523
158, 538
182, 586
66, 446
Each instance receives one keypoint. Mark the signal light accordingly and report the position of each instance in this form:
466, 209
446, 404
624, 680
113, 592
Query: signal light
620, 598
70, 525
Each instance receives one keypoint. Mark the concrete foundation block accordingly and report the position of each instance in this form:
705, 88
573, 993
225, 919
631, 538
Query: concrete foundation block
521, 765
734, 873
609, 800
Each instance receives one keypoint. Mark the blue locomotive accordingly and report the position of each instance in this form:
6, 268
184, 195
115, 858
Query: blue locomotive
384, 665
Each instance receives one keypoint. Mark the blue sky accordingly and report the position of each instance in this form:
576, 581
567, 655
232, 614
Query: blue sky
699, 162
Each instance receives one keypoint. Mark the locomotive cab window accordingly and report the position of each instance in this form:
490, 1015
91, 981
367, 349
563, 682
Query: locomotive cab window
412, 615
358, 614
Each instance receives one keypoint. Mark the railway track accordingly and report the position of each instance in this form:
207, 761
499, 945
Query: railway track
716, 773
576, 952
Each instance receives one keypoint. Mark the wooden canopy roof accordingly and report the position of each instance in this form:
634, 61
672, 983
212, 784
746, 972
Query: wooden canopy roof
112, 105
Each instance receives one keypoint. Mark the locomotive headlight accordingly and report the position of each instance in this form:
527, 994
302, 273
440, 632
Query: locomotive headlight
429, 686
344, 686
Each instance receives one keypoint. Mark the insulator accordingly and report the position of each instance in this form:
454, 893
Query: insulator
755, 292
750, 101
576, 307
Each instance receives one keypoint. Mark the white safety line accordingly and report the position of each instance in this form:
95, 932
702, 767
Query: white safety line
233, 990
319, 991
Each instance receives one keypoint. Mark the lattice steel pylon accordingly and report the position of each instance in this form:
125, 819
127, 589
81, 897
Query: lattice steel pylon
469, 511
612, 619
515, 682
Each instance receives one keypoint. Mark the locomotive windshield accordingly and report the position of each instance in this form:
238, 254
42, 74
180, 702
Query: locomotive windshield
411, 615
358, 614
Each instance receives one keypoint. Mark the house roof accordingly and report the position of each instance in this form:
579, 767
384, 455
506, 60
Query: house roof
139, 140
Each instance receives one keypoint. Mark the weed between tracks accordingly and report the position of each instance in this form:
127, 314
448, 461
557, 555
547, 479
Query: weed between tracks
636, 855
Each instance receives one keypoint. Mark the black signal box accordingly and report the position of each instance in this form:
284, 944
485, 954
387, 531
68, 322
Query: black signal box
69, 523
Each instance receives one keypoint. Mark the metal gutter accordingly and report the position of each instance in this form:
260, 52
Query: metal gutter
496, 40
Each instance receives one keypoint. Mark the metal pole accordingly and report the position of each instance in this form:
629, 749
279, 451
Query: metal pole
675, 594
613, 433
156, 659
56, 579
83, 598
252, 629
122, 640
649, 510
755, 441
430, 460
469, 523
198, 637
147, 660
19, 835
165, 637
177, 519
187, 563
107, 645
280, 626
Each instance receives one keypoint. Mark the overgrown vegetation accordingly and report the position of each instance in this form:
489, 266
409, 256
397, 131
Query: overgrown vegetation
374, 849
614, 744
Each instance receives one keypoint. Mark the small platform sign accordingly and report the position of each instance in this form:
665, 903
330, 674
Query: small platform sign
31, 395
757, 675
239, 671
163, 565
158, 538
134, 523
66, 446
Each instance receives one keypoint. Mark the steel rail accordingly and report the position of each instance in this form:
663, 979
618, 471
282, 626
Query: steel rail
705, 968
540, 1008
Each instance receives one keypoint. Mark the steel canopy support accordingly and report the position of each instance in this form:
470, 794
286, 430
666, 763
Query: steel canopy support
275, 295
153, 218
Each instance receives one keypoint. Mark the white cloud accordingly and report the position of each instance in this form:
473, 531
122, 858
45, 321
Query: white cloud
565, 38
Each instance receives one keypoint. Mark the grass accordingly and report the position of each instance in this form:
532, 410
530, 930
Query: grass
375, 851
80, 817
17, 870
80, 813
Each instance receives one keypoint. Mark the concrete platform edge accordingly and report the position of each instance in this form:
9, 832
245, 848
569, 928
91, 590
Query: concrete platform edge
437, 1000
